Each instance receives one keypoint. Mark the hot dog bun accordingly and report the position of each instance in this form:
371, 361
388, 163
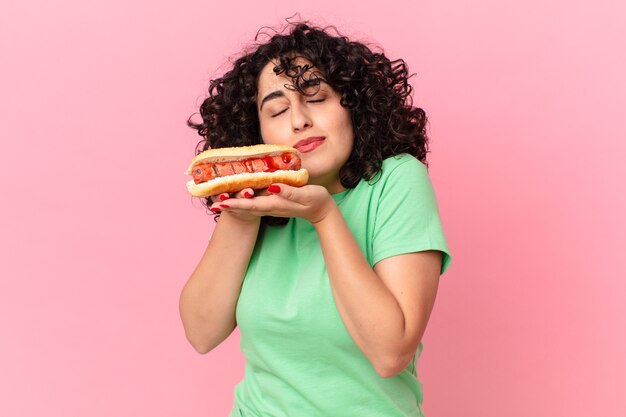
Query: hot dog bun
239, 181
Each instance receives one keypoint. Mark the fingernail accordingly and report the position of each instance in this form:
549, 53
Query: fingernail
224, 197
273, 188
247, 194
215, 209
224, 206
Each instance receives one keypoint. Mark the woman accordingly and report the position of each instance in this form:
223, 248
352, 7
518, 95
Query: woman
331, 284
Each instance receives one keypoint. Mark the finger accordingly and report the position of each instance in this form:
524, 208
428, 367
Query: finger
245, 193
288, 192
220, 197
258, 206
215, 207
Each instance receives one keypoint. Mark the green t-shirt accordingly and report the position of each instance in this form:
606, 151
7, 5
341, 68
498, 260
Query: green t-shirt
300, 358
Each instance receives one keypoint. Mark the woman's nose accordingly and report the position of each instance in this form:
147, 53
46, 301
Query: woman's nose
300, 119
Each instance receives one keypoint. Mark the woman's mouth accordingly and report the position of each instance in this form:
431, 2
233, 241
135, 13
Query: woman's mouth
309, 144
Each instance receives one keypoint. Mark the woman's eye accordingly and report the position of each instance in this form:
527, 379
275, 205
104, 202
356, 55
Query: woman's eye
279, 113
319, 100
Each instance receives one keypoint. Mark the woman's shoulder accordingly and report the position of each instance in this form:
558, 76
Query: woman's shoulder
403, 164
399, 169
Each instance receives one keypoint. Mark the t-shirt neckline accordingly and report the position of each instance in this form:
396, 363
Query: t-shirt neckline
340, 196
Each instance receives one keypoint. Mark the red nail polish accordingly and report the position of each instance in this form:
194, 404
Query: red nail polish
273, 188
224, 206
215, 209
224, 197
247, 194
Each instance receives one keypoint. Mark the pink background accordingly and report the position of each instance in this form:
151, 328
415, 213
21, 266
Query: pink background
526, 105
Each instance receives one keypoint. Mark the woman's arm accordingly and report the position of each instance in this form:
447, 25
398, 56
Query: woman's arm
209, 298
385, 309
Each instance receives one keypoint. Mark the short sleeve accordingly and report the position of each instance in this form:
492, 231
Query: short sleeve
407, 216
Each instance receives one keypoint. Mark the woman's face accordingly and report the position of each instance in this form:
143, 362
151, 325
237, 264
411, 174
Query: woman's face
316, 125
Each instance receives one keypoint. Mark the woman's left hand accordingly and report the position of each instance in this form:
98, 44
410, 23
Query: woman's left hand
311, 202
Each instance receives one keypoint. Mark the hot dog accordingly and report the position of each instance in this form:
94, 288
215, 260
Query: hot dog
228, 170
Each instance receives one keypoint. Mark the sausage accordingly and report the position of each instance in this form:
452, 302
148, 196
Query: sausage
205, 172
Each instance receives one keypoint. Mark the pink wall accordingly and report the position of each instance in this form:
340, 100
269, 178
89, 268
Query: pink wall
99, 235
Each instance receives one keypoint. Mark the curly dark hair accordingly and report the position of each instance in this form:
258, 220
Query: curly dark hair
373, 88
